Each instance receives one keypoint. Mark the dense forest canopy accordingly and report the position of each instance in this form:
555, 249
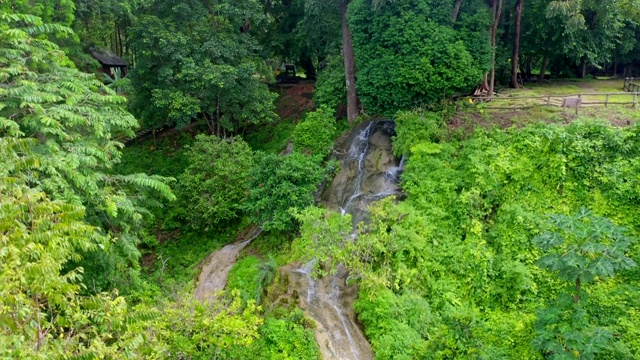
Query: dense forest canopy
493, 237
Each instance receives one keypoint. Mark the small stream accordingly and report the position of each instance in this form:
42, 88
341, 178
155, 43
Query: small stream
216, 267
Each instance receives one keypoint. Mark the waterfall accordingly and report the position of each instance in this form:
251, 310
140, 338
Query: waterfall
369, 172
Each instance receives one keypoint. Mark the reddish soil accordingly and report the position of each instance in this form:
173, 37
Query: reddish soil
294, 100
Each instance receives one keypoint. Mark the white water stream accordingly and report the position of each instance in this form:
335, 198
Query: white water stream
369, 172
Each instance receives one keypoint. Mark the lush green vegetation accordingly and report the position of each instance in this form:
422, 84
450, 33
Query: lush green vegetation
509, 242
528, 287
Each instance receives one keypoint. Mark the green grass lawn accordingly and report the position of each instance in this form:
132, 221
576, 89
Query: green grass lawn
565, 87
502, 111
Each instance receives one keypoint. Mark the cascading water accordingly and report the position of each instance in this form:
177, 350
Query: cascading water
369, 172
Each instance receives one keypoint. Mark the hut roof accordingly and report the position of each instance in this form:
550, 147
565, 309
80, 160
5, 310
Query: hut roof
107, 57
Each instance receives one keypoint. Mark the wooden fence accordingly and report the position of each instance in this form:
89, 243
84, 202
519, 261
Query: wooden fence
632, 84
562, 101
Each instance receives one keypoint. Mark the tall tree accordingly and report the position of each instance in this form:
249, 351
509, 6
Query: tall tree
516, 44
74, 119
198, 60
581, 249
416, 56
349, 64
456, 10
496, 6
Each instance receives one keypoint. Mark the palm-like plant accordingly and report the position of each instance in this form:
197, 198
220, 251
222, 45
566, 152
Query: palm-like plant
265, 276
118, 83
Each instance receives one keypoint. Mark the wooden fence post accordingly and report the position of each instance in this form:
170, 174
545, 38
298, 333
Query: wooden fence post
548, 100
606, 101
635, 99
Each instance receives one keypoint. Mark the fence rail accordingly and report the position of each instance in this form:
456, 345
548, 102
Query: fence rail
632, 84
563, 101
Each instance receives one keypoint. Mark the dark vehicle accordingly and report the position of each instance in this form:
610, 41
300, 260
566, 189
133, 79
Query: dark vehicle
287, 74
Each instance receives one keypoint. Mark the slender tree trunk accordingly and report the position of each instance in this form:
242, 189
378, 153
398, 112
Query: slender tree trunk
576, 297
516, 45
543, 70
497, 12
218, 117
119, 42
583, 71
615, 68
349, 65
456, 10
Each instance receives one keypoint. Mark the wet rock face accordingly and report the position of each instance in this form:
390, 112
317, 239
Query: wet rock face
369, 170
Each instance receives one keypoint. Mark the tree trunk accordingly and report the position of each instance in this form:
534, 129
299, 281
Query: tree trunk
615, 68
349, 65
456, 10
516, 45
543, 70
583, 72
576, 297
497, 12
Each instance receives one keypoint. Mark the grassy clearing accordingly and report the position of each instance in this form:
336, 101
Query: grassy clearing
485, 115
553, 93
565, 87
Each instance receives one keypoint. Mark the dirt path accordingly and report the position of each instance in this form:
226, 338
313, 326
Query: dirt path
215, 271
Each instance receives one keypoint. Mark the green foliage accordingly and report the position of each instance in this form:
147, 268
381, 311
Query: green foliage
117, 83
330, 89
564, 332
75, 119
281, 337
215, 183
190, 329
251, 276
414, 127
59, 12
42, 313
278, 184
193, 61
271, 138
244, 277
314, 135
321, 234
461, 244
415, 56
583, 248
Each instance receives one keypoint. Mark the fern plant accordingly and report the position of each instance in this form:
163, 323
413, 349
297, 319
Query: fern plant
71, 120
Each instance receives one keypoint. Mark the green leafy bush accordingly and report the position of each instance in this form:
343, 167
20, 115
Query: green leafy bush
244, 277
414, 127
215, 183
278, 184
331, 89
580, 249
281, 337
314, 135
408, 54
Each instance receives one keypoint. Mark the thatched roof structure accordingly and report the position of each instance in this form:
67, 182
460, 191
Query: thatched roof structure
107, 58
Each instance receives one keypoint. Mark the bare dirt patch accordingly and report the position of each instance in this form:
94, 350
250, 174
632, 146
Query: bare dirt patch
294, 100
